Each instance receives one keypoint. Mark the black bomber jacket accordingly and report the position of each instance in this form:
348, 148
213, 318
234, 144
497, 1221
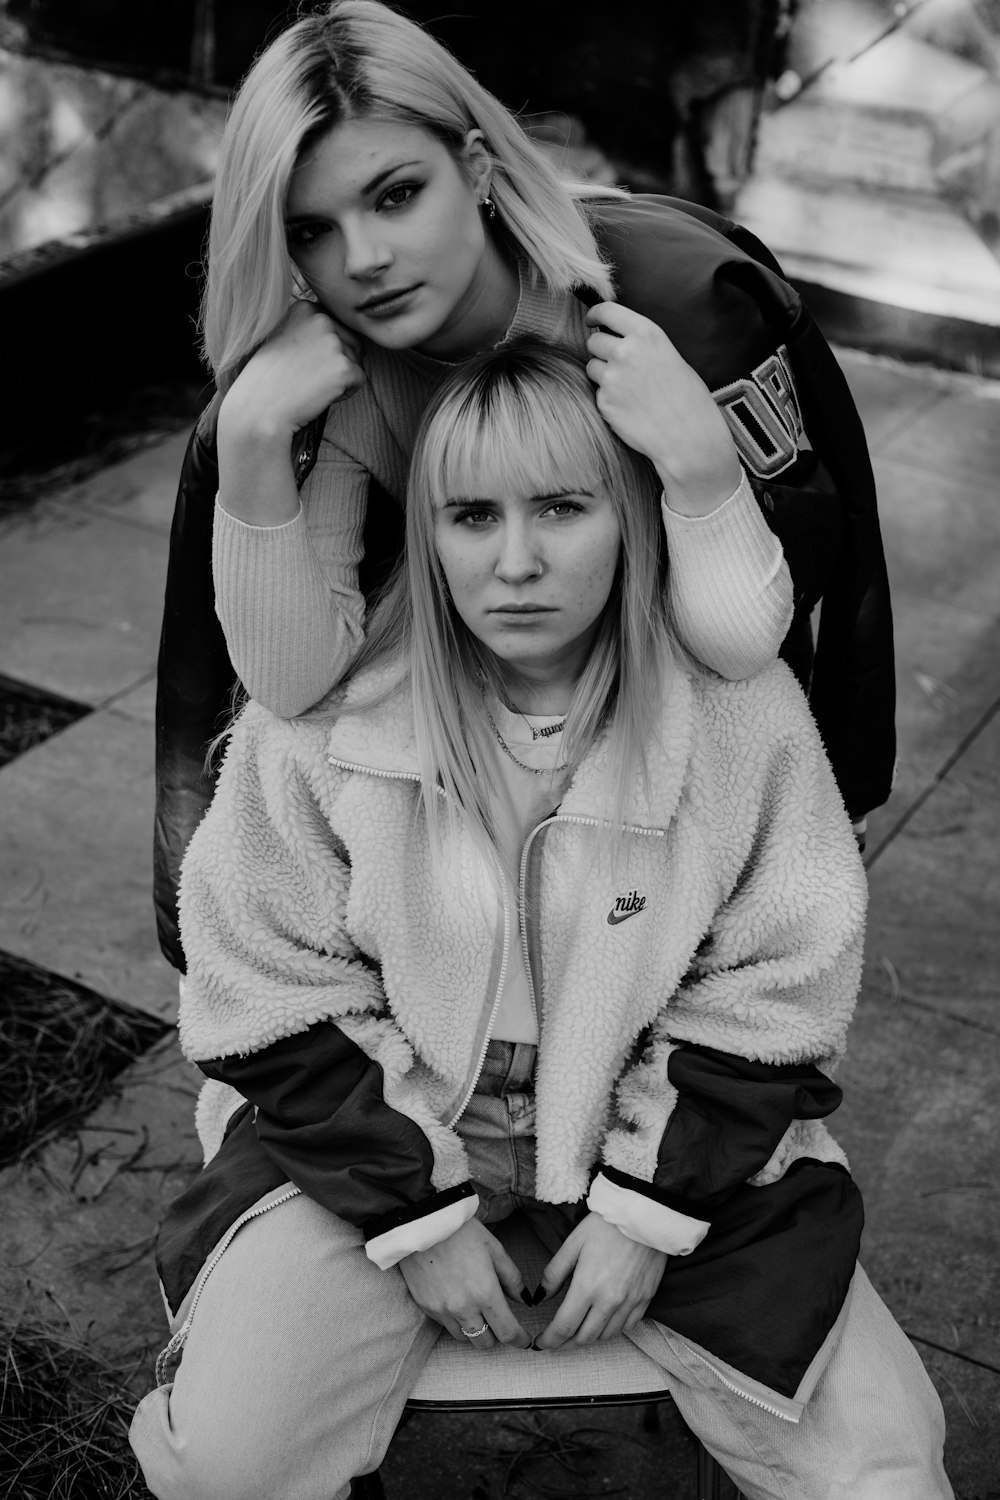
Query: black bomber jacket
719, 295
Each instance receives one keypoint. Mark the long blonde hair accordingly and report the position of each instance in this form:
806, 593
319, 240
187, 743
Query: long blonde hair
359, 59
524, 416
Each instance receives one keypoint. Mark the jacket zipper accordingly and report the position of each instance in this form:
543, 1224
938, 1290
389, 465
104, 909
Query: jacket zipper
522, 913
501, 977
353, 765
736, 1389
346, 765
179, 1339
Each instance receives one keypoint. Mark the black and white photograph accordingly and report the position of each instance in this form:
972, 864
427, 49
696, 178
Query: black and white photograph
500, 750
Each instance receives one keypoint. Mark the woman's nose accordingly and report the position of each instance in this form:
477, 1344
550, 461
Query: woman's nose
365, 253
519, 558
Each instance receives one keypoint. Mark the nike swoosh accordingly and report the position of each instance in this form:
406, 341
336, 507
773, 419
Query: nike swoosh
614, 917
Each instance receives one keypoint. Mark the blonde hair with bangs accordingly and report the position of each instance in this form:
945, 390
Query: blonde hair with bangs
359, 59
523, 416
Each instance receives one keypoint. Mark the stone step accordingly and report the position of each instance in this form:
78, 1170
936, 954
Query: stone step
883, 120
913, 251
831, 141
900, 73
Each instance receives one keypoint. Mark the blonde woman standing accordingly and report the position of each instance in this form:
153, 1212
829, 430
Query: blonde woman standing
378, 217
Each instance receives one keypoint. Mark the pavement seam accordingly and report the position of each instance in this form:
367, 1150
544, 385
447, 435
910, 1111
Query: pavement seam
941, 775
969, 1359
904, 422
113, 699
101, 512
946, 1015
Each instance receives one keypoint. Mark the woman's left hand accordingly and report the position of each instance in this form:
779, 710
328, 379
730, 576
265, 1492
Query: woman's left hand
613, 1279
661, 407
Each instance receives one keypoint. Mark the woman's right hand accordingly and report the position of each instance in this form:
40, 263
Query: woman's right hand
461, 1282
308, 362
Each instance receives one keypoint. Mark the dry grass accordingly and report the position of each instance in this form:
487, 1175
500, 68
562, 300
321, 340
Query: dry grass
64, 1416
61, 1047
28, 716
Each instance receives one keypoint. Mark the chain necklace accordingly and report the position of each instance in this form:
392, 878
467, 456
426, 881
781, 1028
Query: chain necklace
535, 770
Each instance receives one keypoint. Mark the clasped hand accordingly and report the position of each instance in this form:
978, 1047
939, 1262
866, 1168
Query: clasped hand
661, 407
465, 1280
308, 362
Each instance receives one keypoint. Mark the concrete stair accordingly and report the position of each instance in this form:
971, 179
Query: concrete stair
858, 189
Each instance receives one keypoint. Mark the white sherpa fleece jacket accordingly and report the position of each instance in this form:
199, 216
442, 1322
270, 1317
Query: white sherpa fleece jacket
308, 894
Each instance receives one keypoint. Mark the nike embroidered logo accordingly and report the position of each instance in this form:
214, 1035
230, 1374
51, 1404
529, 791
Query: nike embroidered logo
625, 907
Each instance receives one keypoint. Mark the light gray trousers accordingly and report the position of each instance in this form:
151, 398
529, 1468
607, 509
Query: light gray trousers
301, 1354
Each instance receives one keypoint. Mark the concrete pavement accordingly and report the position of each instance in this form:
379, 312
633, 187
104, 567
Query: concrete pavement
80, 591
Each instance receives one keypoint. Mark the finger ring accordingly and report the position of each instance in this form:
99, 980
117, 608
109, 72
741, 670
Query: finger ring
475, 1333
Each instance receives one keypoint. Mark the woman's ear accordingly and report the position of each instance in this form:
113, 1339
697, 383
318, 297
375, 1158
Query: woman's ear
477, 162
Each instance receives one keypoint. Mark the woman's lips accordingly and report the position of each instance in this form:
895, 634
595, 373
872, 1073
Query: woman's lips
521, 611
388, 304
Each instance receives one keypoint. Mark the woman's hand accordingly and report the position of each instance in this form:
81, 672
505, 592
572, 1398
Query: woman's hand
307, 363
461, 1283
657, 404
613, 1280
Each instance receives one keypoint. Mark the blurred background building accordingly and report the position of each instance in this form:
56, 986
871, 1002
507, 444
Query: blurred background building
859, 138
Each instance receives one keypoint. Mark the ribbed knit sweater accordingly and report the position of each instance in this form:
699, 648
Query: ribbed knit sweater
288, 596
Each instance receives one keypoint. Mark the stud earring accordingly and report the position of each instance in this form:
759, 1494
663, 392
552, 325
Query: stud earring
491, 209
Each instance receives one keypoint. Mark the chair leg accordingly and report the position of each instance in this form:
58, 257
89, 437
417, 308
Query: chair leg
713, 1481
651, 1417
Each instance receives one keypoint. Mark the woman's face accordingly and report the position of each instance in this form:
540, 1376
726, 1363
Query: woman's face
530, 575
385, 226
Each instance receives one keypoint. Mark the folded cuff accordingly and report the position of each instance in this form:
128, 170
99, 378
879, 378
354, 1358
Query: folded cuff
425, 1225
644, 1218
224, 518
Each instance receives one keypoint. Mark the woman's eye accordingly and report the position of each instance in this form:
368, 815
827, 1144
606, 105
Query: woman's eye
563, 508
306, 234
473, 517
400, 195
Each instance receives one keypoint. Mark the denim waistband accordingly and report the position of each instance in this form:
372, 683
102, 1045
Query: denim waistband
508, 1068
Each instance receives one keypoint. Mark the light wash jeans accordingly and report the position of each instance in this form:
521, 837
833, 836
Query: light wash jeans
301, 1354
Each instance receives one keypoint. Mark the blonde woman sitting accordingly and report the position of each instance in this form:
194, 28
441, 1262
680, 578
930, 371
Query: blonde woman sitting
529, 915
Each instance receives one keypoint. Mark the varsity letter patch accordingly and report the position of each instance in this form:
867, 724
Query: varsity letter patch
764, 416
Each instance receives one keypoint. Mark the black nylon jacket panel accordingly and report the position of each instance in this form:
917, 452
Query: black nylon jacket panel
718, 294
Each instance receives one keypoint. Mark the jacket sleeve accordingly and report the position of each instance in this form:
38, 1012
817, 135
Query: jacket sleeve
853, 691
729, 1117
825, 511
853, 684
280, 1004
732, 1077
321, 1116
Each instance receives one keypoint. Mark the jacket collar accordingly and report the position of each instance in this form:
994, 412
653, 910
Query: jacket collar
377, 738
